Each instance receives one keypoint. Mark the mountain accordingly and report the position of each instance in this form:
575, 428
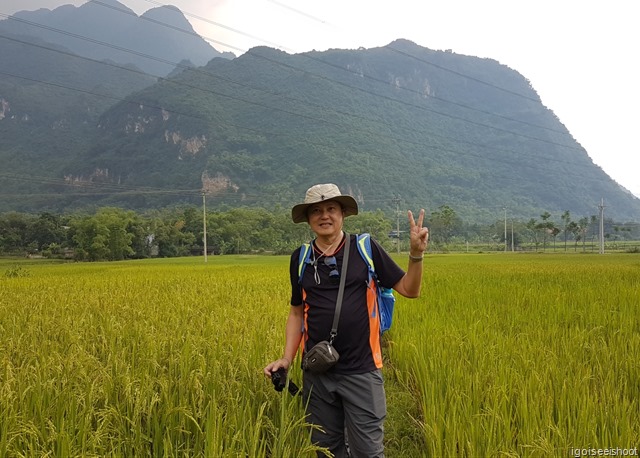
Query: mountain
108, 30
401, 121
50, 102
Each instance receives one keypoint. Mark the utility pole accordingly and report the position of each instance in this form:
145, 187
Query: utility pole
204, 225
601, 208
505, 229
396, 200
512, 246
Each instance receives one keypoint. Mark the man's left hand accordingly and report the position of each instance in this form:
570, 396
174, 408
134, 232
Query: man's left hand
419, 236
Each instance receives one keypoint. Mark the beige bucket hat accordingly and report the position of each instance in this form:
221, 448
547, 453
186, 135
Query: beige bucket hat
320, 193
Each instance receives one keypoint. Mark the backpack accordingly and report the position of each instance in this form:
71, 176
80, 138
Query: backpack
385, 300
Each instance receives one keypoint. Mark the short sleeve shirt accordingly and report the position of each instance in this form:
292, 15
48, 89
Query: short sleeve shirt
352, 341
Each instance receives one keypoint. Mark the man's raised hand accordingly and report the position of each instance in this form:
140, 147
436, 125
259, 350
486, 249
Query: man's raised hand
419, 236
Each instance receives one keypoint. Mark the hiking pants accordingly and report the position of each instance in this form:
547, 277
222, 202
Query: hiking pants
347, 405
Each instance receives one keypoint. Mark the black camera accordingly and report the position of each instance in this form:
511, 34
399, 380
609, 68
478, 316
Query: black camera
279, 380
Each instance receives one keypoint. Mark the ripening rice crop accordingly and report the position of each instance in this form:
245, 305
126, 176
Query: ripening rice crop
503, 355
523, 355
145, 359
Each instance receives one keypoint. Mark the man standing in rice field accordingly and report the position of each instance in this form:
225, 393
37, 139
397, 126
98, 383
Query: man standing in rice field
348, 399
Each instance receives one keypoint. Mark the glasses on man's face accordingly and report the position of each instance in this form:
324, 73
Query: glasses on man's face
334, 275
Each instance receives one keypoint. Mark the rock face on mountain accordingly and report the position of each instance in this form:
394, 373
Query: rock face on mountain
401, 121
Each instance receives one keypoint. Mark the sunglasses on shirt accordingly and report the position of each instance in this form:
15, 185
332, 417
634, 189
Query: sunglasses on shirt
334, 275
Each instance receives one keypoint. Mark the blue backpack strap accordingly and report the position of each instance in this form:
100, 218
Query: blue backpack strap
303, 259
386, 299
364, 248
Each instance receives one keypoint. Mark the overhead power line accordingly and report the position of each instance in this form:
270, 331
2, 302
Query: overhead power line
164, 24
369, 77
322, 21
308, 104
392, 99
197, 116
309, 56
203, 19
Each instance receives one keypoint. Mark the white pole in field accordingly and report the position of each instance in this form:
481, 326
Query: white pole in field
601, 208
512, 246
397, 202
505, 229
204, 225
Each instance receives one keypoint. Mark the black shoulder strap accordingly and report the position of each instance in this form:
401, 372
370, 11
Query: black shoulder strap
343, 278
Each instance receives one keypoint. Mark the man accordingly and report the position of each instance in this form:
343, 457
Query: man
350, 396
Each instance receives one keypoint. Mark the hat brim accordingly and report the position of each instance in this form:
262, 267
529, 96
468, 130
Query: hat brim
349, 207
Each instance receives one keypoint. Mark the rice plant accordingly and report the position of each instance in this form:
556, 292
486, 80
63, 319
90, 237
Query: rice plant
145, 359
523, 355
503, 355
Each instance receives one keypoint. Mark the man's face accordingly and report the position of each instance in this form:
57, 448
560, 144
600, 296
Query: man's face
325, 218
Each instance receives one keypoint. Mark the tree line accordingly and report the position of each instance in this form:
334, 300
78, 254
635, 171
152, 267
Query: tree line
112, 233
544, 233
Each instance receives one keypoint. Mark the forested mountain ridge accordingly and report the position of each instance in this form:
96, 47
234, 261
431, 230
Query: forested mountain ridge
108, 30
50, 102
428, 127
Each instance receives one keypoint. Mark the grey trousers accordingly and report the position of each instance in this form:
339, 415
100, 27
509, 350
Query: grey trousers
347, 405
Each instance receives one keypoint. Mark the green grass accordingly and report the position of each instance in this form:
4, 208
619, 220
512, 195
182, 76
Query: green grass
503, 355
523, 355
154, 358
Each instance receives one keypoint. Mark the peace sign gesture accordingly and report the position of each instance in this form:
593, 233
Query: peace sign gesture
419, 236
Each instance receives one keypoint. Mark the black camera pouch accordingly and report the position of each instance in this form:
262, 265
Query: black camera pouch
320, 358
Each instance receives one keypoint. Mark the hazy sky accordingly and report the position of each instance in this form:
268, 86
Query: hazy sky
579, 55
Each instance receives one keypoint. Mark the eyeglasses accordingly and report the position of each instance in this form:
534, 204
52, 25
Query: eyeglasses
334, 275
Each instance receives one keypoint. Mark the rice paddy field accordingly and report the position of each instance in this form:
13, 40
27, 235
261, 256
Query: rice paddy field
503, 355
